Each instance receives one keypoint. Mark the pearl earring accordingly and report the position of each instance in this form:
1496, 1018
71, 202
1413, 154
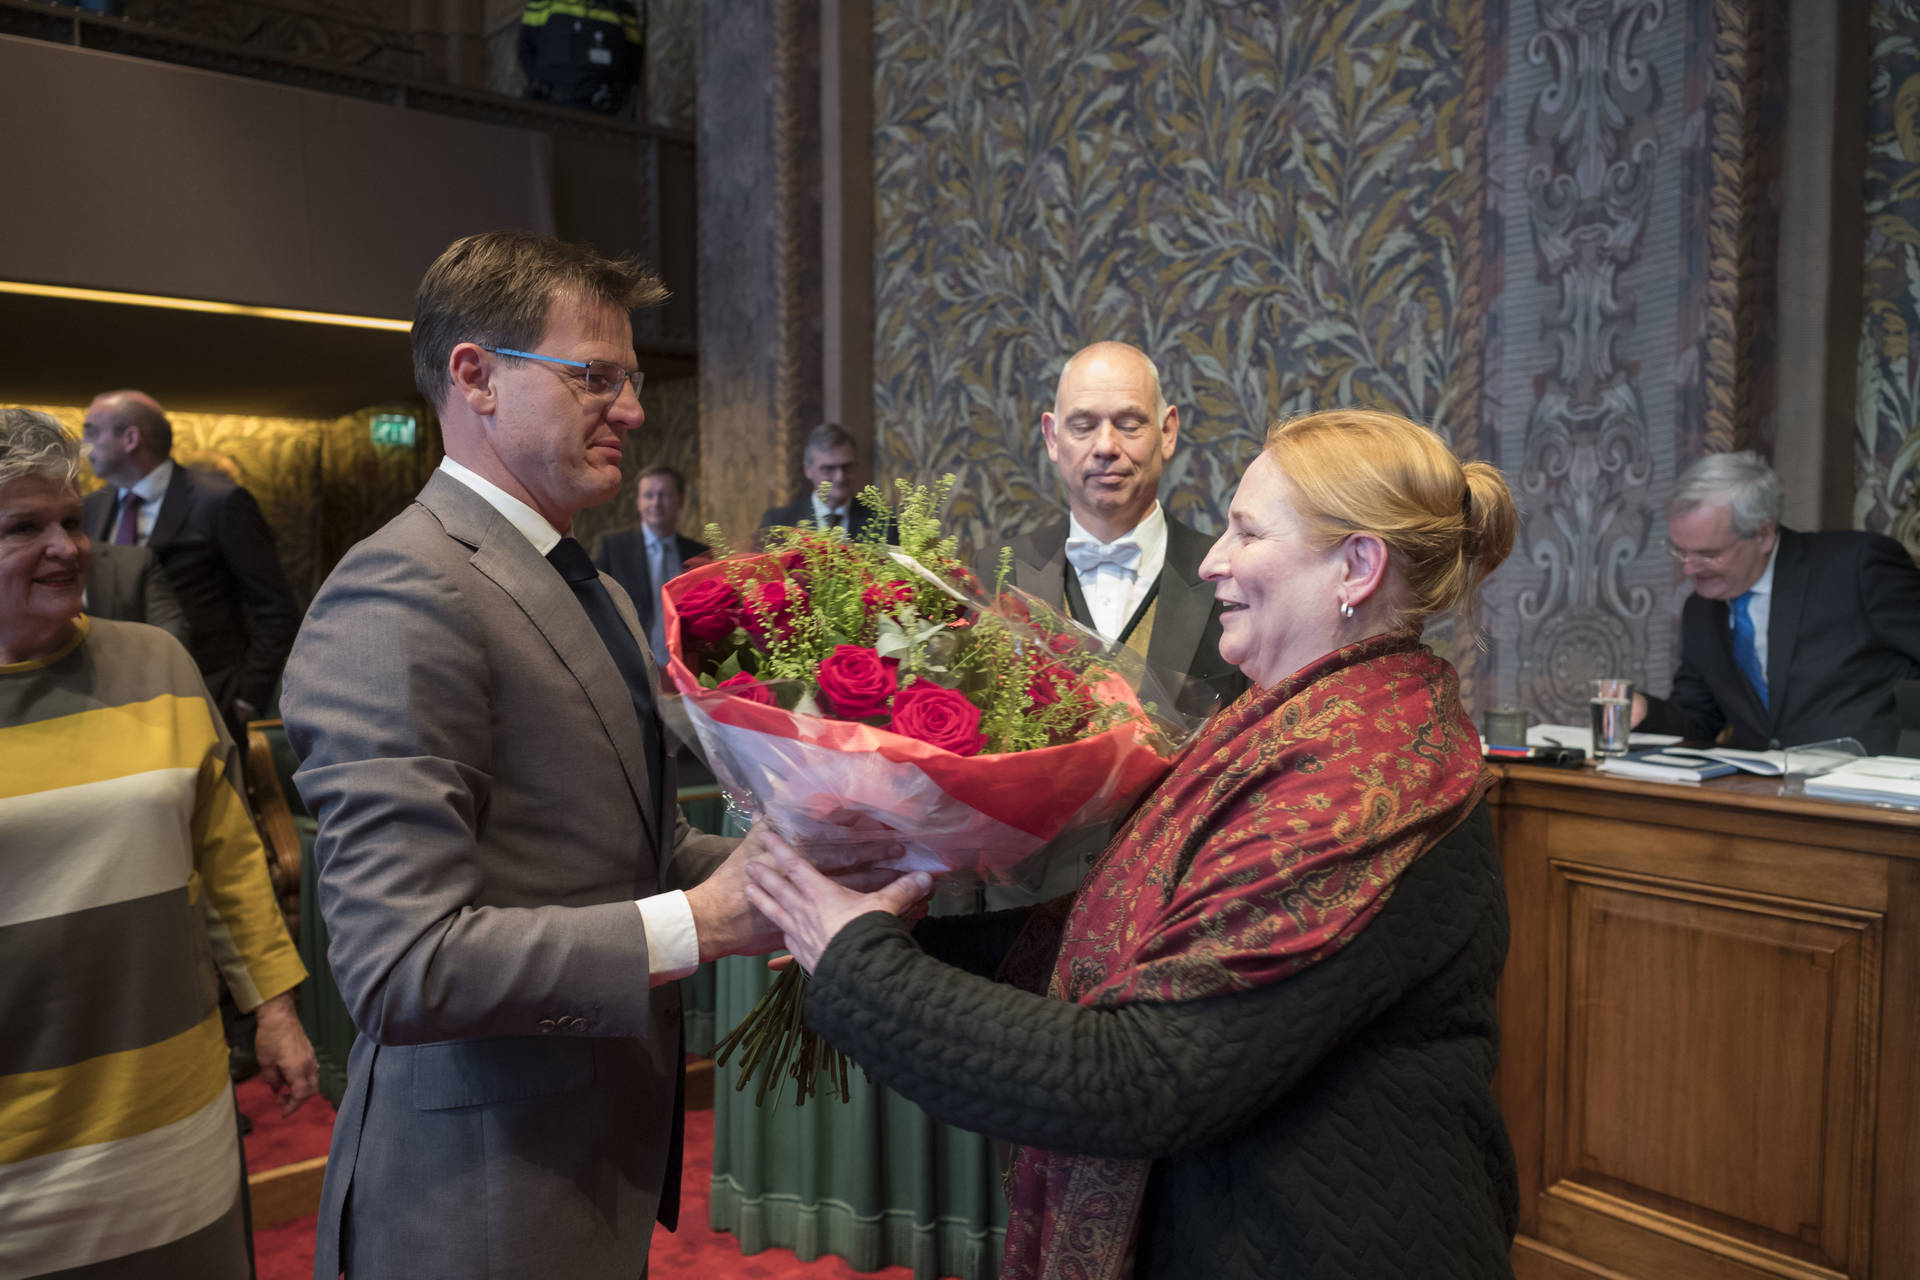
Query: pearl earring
1346, 609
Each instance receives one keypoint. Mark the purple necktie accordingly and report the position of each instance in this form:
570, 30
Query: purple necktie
129, 531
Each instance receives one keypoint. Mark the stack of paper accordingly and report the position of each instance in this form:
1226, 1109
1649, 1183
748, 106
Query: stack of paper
1667, 764
1875, 780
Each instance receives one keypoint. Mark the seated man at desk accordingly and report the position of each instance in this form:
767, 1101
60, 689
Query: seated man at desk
1789, 637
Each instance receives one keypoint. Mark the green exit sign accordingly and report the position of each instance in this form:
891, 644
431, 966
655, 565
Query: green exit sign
394, 428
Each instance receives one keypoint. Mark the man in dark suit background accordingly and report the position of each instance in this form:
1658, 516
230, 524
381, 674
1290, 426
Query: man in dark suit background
128, 585
1119, 564
1789, 637
830, 458
645, 559
209, 537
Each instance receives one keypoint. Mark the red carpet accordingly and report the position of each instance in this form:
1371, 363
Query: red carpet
274, 1141
286, 1253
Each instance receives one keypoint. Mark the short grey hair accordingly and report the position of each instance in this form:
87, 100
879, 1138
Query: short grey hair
35, 444
828, 435
1741, 482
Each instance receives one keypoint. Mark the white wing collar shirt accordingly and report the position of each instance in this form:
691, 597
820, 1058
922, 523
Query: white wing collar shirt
673, 946
1116, 576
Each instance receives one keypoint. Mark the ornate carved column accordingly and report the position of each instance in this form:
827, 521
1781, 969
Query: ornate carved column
1585, 423
760, 274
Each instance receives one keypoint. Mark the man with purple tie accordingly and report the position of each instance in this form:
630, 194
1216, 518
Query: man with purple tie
207, 533
1788, 638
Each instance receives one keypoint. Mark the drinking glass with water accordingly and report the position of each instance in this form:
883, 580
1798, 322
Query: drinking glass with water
1610, 711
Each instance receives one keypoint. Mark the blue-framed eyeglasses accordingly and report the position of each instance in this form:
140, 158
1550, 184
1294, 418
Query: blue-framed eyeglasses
601, 378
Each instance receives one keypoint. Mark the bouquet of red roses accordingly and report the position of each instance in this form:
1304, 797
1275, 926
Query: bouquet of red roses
866, 698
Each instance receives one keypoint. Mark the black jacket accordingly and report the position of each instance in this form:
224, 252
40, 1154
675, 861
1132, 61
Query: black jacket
1843, 628
623, 557
1186, 627
1335, 1125
800, 511
218, 553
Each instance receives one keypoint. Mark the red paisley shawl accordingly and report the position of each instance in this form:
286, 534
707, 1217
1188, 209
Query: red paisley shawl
1297, 809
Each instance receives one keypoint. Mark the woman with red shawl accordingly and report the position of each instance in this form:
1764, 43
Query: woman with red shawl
1268, 1042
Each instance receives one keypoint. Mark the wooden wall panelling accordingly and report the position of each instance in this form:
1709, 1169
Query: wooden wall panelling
1896, 1173
1704, 1068
1523, 999
1710, 1037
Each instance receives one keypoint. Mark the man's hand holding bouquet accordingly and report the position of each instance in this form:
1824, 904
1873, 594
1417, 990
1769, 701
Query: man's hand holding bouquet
875, 706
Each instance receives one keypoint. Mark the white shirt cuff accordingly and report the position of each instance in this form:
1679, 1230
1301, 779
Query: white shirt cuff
673, 945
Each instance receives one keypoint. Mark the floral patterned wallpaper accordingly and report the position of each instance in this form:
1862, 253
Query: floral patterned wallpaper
1887, 439
1280, 203
321, 482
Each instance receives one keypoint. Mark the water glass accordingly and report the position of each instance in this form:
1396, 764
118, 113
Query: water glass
1610, 713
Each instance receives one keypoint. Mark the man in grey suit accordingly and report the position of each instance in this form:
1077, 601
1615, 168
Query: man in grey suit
1119, 564
508, 890
127, 584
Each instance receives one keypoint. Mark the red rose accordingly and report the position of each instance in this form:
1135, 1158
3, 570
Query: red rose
1063, 642
709, 611
939, 716
750, 688
778, 604
883, 596
855, 683
1043, 689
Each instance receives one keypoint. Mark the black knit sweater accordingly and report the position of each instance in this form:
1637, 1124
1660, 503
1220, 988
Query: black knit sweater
1336, 1125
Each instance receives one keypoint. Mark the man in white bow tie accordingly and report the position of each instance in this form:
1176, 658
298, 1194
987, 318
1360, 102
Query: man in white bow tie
1118, 563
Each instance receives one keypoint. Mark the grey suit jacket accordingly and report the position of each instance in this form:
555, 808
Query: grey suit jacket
475, 764
128, 585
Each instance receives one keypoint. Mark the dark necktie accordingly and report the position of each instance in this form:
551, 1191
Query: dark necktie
835, 519
128, 531
571, 559
1745, 651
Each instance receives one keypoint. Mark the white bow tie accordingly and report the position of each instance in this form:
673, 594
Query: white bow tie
1086, 556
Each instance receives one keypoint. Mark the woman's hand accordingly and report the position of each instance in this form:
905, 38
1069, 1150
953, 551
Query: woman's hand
809, 908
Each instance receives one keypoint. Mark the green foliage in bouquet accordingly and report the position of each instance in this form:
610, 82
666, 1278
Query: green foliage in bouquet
783, 629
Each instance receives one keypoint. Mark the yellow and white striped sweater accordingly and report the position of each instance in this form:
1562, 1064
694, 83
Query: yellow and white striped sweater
129, 868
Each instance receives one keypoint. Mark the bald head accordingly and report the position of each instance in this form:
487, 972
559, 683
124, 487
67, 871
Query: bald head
1122, 356
1110, 431
126, 435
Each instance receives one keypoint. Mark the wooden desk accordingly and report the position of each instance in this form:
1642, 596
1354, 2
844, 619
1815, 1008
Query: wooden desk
1710, 1057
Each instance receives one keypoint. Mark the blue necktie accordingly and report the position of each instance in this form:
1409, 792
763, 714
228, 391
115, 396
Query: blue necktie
1745, 652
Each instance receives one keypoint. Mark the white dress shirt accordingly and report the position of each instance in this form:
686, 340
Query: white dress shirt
1759, 607
1113, 593
821, 511
150, 488
673, 944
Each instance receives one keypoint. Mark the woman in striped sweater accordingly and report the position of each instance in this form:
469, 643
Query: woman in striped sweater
129, 869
